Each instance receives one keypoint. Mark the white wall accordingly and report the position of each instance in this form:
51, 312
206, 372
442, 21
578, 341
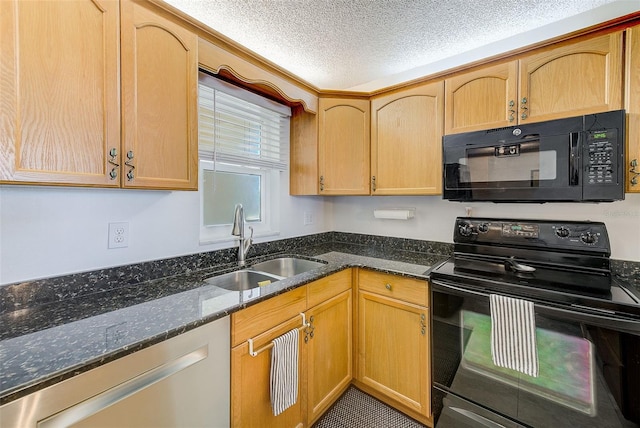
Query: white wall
434, 218
50, 231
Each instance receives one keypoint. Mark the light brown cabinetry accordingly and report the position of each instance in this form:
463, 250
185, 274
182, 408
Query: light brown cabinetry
632, 107
159, 101
250, 381
325, 352
61, 116
574, 78
329, 352
59, 91
343, 146
393, 341
481, 99
406, 136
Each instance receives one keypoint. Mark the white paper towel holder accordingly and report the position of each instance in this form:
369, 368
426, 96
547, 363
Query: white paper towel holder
395, 213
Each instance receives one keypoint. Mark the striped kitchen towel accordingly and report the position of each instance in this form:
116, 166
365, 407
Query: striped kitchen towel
513, 334
284, 372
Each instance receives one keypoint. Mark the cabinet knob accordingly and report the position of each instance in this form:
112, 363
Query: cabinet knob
113, 156
512, 112
387, 286
523, 108
129, 163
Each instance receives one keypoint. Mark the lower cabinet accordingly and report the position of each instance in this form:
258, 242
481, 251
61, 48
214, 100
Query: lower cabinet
181, 382
329, 350
393, 341
324, 352
250, 383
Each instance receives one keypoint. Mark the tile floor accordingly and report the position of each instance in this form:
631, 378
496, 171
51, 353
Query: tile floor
355, 409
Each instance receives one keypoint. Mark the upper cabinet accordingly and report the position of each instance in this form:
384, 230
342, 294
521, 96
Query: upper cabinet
343, 146
406, 135
632, 106
59, 92
61, 120
572, 79
481, 99
159, 101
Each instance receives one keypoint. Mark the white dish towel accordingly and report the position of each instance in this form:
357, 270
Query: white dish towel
513, 334
284, 372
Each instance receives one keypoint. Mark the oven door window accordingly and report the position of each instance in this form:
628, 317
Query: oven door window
572, 384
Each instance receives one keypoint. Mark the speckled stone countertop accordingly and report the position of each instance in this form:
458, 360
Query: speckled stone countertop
72, 330
56, 328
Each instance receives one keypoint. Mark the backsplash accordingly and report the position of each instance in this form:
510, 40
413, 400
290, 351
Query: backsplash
38, 292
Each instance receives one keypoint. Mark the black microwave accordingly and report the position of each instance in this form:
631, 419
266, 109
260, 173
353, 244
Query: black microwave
576, 159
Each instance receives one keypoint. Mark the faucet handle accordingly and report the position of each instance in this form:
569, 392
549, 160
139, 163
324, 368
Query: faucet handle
251, 235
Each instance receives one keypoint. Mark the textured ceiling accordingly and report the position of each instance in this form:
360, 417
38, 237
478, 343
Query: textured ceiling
369, 44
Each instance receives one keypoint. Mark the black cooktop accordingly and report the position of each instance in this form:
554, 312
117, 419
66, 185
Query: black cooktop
560, 263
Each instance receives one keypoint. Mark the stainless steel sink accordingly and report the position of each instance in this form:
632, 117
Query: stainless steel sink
286, 266
242, 280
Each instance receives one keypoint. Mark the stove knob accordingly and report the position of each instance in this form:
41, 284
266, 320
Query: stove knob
484, 228
589, 238
466, 229
562, 232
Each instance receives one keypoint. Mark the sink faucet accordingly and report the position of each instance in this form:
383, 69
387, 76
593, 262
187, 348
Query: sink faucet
238, 230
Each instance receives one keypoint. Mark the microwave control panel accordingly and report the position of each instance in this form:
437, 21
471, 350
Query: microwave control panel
603, 155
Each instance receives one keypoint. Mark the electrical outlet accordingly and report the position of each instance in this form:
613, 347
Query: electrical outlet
115, 335
119, 235
308, 218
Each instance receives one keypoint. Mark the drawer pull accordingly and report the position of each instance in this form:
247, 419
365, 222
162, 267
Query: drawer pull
388, 286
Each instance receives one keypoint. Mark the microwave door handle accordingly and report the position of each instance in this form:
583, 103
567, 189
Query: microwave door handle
604, 320
574, 159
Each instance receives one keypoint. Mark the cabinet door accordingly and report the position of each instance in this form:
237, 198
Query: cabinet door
482, 99
250, 384
576, 78
59, 91
406, 142
343, 146
159, 100
393, 350
632, 106
329, 348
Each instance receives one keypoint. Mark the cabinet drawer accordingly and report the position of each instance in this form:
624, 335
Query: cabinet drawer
327, 287
260, 317
406, 289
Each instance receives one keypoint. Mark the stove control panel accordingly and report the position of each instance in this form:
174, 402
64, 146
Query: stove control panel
548, 234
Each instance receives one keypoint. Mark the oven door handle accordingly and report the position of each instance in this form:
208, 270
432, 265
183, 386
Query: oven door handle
603, 320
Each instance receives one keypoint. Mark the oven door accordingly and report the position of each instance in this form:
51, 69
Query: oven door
533, 167
589, 365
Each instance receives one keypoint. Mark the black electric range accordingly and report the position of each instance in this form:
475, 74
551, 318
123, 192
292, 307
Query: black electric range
587, 328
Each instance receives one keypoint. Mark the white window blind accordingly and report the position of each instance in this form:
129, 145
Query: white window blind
238, 127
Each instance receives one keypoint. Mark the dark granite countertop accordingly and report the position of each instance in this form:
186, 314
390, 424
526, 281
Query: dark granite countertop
56, 328
46, 343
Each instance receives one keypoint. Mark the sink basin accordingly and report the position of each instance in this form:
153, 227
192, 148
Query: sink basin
287, 266
242, 280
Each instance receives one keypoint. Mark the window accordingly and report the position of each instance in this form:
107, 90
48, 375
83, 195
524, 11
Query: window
243, 149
